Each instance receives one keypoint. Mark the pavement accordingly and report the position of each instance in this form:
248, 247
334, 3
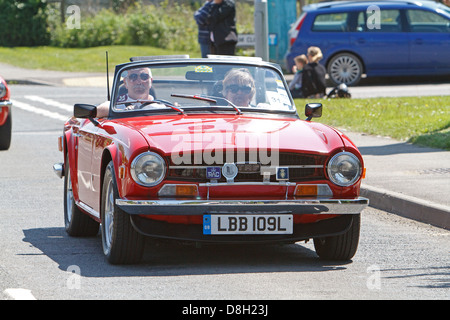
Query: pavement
401, 178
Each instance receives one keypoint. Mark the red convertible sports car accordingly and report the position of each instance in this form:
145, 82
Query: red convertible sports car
5, 116
208, 150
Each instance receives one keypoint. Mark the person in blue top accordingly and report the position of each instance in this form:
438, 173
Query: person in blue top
296, 84
204, 37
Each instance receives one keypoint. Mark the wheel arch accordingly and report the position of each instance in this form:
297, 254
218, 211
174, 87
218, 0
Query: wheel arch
70, 152
107, 157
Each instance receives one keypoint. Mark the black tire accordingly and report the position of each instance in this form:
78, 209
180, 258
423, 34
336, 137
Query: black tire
345, 68
122, 244
77, 223
5, 133
342, 247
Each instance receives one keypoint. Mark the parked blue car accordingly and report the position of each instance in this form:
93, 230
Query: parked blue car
376, 38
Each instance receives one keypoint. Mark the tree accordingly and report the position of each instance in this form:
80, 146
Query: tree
23, 23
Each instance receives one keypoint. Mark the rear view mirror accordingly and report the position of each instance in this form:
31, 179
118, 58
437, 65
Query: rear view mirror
313, 110
200, 76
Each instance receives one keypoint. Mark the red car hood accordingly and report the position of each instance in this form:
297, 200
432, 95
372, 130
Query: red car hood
214, 132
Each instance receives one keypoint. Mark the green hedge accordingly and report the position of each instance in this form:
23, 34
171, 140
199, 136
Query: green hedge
23, 23
169, 27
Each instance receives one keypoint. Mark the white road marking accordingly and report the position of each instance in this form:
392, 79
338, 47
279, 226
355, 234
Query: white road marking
51, 103
43, 112
19, 294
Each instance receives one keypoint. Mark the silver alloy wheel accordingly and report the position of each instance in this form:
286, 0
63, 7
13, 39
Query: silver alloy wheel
109, 215
345, 68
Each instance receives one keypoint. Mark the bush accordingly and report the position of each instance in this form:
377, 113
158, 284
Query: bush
169, 25
23, 23
101, 30
158, 26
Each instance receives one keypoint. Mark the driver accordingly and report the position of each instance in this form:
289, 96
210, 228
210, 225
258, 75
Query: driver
138, 83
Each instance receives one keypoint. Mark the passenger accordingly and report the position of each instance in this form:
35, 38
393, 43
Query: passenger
296, 84
313, 77
239, 87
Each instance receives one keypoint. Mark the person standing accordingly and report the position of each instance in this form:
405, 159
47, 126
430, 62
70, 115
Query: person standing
204, 38
222, 24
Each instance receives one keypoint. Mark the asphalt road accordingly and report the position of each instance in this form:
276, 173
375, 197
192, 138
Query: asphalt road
397, 258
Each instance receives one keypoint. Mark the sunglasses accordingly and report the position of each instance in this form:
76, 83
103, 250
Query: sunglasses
234, 88
143, 76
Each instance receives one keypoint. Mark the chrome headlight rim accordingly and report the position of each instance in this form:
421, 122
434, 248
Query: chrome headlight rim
333, 161
134, 165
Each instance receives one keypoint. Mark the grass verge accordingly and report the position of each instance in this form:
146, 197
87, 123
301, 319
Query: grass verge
421, 120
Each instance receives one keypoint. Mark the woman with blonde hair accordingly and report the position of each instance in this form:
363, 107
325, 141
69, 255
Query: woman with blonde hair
239, 87
313, 77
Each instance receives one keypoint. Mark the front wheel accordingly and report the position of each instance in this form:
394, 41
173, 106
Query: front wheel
345, 68
122, 244
342, 247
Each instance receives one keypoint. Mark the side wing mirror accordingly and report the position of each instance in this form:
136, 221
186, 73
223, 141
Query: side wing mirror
85, 111
313, 110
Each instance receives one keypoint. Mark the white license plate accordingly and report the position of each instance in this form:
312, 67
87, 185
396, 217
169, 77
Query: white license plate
247, 224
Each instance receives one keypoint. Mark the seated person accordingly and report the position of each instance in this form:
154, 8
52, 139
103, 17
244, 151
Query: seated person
296, 84
138, 83
313, 75
239, 87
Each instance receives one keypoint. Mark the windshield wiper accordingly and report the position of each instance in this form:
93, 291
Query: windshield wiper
206, 98
160, 101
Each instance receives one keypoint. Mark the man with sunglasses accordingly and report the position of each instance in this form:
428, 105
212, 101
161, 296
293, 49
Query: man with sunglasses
138, 83
239, 87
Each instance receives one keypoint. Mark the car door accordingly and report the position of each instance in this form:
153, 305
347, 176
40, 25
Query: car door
429, 35
380, 40
86, 138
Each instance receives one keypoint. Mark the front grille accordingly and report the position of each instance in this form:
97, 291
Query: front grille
302, 167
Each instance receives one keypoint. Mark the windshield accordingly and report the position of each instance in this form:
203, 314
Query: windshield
201, 86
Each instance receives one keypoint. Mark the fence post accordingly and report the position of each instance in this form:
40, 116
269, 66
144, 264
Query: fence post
261, 30
63, 11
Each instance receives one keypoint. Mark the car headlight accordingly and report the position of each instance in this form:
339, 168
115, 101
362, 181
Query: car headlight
148, 169
344, 169
2, 90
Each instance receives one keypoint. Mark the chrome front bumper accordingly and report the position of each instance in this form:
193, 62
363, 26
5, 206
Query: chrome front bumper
58, 169
5, 104
200, 207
